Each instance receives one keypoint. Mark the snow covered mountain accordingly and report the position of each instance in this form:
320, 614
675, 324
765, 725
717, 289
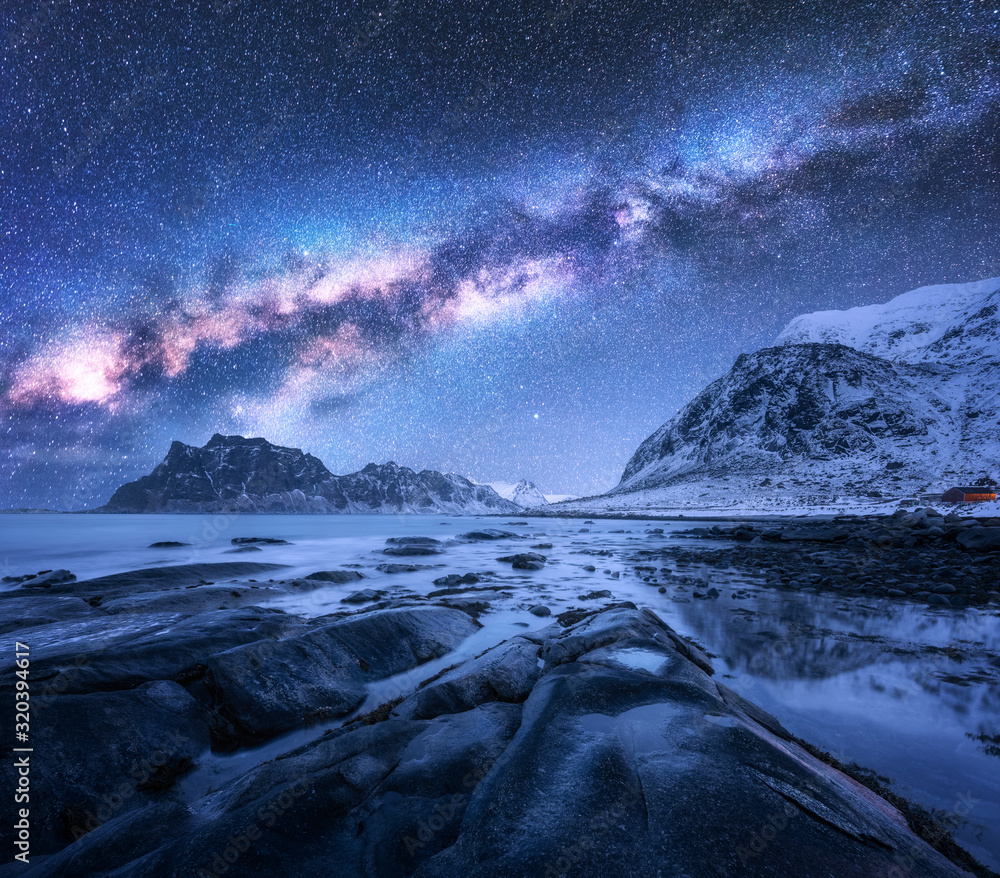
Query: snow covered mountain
233, 474
524, 494
868, 405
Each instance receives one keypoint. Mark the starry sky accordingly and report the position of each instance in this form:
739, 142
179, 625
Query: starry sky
505, 239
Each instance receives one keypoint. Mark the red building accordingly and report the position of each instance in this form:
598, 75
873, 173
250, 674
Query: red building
969, 495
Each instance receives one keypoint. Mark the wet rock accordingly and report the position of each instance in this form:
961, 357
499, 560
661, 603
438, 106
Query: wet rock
403, 568
488, 534
324, 672
816, 534
116, 842
407, 550
542, 546
18, 611
339, 576
981, 539
624, 756
590, 568
98, 756
366, 595
540, 610
121, 652
503, 673
243, 550
259, 541
453, 579
938, 600
597, 595
45, 579
168, 544
413, 541
193, 599
524, 561
158, 578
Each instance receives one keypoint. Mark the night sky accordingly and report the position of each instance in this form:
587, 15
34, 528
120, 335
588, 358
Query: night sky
507, 240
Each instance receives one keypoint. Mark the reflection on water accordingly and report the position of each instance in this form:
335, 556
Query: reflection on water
908, 691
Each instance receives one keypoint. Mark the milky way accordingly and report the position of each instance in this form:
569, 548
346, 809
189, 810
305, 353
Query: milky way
505, 240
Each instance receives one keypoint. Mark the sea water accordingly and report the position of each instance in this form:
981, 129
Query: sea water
900, 688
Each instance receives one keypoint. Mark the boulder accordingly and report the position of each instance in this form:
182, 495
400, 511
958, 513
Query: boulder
271, 686
524, 561
123, 651
193, 599
504, 673
488, 534
259, 541
18, 611
98, 756
364, 596
339, 576
117, 841
45, 579
403, 568
817, 534
623, 757
413, 541
157, 578
980, 539
453, 579
405, 551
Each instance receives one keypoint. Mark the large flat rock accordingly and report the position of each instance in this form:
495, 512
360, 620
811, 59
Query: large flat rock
98, 757
617, 755
156, 578
120, 652
270, 686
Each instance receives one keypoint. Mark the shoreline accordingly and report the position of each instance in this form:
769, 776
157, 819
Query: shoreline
215, 596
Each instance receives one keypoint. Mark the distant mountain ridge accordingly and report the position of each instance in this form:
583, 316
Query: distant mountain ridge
878, 402
234, 474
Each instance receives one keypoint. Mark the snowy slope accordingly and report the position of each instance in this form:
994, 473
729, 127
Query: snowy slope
849, 408
952, 324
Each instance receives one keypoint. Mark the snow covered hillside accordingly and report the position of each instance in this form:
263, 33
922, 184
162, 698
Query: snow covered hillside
850, 409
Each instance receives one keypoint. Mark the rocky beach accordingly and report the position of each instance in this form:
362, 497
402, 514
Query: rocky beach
504, 700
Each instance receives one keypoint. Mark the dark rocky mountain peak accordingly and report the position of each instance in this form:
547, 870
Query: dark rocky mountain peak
232, 473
